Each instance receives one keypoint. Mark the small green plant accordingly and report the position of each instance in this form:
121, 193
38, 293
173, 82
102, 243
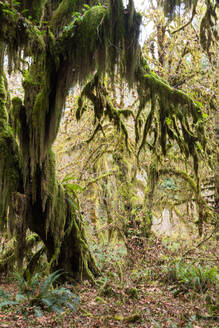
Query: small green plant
192, 277
72, 189
108, 255
39, 295
132, 292
139, 276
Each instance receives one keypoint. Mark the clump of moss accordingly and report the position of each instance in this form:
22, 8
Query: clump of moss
62, 15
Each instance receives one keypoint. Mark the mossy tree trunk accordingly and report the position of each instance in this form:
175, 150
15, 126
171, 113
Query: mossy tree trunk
61, 57
35, 198
217, 164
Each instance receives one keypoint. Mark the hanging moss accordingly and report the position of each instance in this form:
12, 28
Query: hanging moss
18, 209
15, 114
148, 123
208, 32
174, 105
90, 31
9, 169
203, 209
132, 49
19, 34
33, 8
3, 112
9, 164
116, 23
170, 6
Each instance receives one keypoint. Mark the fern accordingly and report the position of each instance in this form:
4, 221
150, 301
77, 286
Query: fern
39, 296
193, 277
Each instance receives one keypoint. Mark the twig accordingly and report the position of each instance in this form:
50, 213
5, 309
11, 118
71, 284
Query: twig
199, 244
189, 22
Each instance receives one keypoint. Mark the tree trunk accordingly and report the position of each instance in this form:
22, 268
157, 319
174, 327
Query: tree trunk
60, 228
28, 183
217, 163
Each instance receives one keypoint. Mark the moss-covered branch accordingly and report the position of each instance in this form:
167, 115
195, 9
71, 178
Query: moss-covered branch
19, 34
181, 174
204, 213
180, 117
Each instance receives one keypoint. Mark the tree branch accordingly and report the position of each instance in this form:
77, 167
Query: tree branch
189, 22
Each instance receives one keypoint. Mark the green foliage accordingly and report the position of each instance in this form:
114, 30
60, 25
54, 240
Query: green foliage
168, 184
192, 277
72, 189
39, 296
132, 292
141, 275
108, 254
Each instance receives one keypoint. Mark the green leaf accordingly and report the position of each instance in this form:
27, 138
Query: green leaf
3, 294
70, 305
168, 120
9, 12
38, 312
74, 204
199, 146
73, 187
16, 3
7, 303
24, 11
68, 177
47, 301
49, 281
20, 297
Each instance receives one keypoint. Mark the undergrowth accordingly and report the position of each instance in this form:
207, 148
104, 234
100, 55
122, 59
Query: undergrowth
192, 277
38, 296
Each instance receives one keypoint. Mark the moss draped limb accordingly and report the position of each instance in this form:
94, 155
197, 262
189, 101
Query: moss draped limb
62, 15
203, 209
173, 107
19, 33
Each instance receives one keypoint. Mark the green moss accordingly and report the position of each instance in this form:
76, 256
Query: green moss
34, 44
182, 174
89, 27
9, 168
19, 34
3, 95
172, 112
15, 113
148, 124
132, 292
53, 201
9, 164
40, 109
34, 8
16, 102
82, 49
63, 14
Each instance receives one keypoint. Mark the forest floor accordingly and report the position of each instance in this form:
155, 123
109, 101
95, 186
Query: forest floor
138, 288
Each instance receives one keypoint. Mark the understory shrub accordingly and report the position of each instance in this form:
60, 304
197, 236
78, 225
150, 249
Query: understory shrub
37, 295
192, 277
